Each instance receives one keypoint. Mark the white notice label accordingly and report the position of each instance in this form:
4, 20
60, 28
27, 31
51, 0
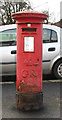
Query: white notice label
29, 44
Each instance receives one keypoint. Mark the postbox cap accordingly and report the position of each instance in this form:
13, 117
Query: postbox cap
28, 14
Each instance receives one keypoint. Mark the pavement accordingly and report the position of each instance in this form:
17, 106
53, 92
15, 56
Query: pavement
52, 100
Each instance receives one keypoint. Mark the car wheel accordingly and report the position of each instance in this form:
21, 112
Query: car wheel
58, 70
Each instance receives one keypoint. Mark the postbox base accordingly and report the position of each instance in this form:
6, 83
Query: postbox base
29, 101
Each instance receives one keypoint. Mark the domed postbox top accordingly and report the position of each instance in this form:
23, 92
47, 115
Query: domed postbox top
28, 15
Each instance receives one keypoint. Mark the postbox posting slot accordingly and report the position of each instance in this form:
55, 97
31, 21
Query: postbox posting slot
28, 44
29, 29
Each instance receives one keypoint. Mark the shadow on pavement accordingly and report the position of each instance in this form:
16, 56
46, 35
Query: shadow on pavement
13, 78
8, 78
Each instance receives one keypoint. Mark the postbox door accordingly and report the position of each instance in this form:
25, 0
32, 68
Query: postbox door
30, 60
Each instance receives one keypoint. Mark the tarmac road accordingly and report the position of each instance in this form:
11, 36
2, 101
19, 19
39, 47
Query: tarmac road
51, 101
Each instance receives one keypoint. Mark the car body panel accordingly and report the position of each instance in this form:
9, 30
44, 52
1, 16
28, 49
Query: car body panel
49, 56
8, 61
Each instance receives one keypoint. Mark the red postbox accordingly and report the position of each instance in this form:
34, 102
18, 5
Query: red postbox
29, 59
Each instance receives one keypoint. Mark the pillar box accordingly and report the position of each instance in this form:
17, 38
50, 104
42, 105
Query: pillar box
29, 59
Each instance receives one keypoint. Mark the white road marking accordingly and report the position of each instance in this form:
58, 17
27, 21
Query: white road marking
6, 83
44, 81
53, 81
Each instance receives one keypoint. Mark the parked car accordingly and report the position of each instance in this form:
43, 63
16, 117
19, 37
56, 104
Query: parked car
52, 55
